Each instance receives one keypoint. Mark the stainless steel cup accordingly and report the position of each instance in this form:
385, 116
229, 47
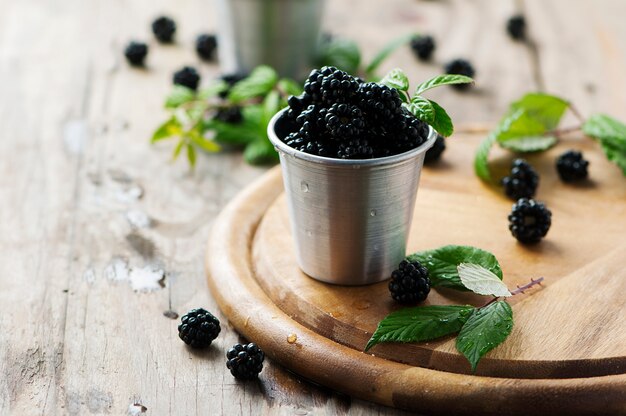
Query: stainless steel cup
350, 219
281, 33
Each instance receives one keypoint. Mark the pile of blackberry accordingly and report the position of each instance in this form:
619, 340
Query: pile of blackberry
340, 116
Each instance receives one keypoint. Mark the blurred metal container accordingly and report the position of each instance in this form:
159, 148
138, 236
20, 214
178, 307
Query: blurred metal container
350, 219
281, 33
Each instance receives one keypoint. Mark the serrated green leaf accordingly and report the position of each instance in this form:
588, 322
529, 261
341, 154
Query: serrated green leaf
166, 130
611, 134
442, 264
271, 105
442, 123
420, 324
178, 96
480, 280
234, 134
481, 159
528, 144
213, 90
386, 51
341, 53
191, 155
423, 109
446, 79
203, 143
544, 108
260, 81
485, 329
179, 146
396, 78
260, 152
289, 86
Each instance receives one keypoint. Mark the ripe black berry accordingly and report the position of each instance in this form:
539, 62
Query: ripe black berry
434, 153
135, 53
522, 182
164, 29
381, 103
344, 121
423, 47
198, 328
205, 46
571, 166
187, 77
330, 85
460, 67
408, 132
529, 221
355, 149
245, 362
409, 283
230, 80
516, 26
231, 115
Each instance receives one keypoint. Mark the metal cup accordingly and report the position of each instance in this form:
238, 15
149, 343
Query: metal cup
350, 219
281, 33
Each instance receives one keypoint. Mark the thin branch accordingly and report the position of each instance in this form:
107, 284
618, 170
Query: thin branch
521, 289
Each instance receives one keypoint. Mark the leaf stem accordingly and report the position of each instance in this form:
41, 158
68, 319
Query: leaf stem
520, 289
576, 113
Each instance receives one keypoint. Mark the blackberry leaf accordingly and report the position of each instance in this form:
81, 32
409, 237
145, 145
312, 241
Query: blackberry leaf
528, 144
171, 127
179, 96
480, 280
442, 80
442, 122
260, 81
481, 165
611, 134
340, 53
423, 109
396, 78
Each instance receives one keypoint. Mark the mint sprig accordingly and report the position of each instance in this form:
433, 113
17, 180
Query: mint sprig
611, 134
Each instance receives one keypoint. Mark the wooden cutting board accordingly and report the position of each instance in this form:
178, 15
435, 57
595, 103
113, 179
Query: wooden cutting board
567, 351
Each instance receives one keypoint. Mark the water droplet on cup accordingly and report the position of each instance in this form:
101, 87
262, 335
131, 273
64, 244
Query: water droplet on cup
309, 233
373, 213
304, 186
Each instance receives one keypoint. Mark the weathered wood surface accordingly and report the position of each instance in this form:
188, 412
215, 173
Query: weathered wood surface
88, 208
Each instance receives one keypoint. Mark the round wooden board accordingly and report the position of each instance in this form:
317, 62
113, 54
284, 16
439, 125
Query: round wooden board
567, 352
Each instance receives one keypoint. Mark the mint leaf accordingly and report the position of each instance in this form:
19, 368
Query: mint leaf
611, 134
205, 144
442, 123
544, 108
423, 109
191, 155
385, 52
260, 81
259, 152
342, 53
527, 144
179, 146
171, 127
289, 86
212, 90
442, 80
178, 96
420, 324
480, 280
396, 78
487, 328
481, 159
442, 264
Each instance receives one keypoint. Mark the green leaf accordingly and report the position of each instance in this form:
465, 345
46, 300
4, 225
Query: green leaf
260, 81
442, 123
423, 109
611, 134
191, 155
527, 144
235, 134
446, 79
544, 108
260, 152
271, 105
396, 78
442, 264
203, 143
481, 159
482, 281
166, 130
213, 90
179, 95
342, 53
179, 146
386, 51
420, 324
487, 328
289, 86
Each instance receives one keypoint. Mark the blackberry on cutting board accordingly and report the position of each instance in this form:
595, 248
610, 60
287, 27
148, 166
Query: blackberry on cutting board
571, 166
522, 182
136, 53
206, 44
187, 77
198, 328
423, 47
516, 27
529, 221
245, 361
409, 283
164, 29
460, 67
434, 153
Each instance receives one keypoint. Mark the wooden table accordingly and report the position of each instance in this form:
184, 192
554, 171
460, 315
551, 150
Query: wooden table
91, 214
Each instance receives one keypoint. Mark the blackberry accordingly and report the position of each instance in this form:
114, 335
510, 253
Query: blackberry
344, 121
136, 53
230, 115
434, 153
296, 141
205, 46
330, 85
408, 132
381, 103
312, 122
409, 283
529, 221
516, 26
164, 28
198, 328
423, 47
230, 80
355, 149
571, 166
245, 362
522, 181
460, 67
296, 105
320, 149
187, 77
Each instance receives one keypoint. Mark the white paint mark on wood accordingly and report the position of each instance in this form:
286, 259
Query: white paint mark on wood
129, 194
117, 269
89, 275
147, 279
138, 219
135, 409
75, 136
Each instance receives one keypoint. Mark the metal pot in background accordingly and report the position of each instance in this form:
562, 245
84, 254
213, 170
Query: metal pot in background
281, 33
350, 219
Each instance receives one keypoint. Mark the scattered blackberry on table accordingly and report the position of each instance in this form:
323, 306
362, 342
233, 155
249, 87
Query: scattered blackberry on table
198, 328
516, 26
571, 166
164, 29
206, 45
423, 47
136, 53
230, 115
409, 283
245, 362
434, 153
344, 120
460, 67
522, 182
529, 221
187, 77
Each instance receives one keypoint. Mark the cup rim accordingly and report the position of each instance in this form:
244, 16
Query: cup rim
281, 146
